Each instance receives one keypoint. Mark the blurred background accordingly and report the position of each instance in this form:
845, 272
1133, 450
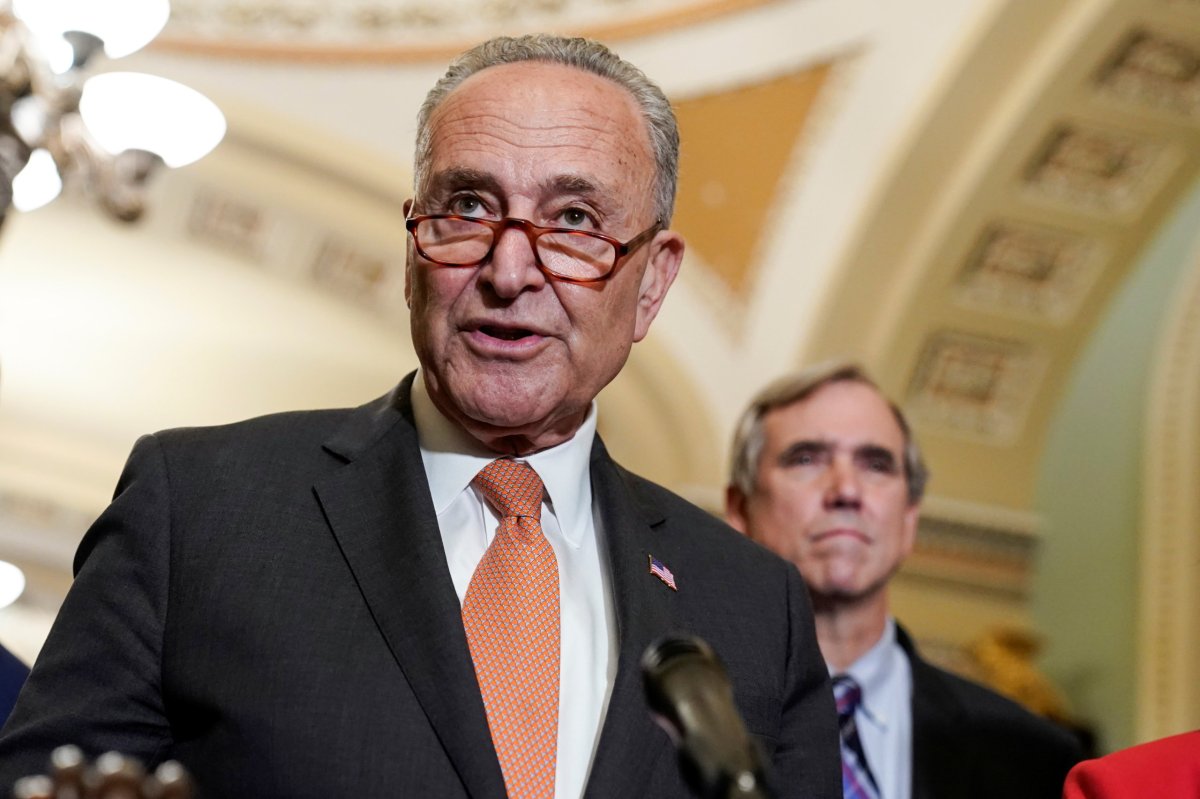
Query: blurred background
993, 205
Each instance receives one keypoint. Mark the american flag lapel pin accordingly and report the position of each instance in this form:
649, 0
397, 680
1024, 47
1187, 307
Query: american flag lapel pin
660, 570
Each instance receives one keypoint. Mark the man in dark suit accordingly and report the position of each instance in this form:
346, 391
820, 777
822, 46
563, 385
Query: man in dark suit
826, 472
12, 676
445, 592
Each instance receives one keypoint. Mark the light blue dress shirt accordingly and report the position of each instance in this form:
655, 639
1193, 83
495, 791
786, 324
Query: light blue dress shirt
885, 716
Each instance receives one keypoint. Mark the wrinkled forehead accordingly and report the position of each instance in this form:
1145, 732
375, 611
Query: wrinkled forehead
530, 84
540, 106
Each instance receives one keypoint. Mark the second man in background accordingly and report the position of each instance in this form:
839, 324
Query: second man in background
827, 474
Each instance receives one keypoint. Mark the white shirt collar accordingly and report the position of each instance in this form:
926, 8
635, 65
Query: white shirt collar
452, 458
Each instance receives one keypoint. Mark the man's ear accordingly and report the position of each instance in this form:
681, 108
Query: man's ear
408, 261
666, 254
912, 517
735, 509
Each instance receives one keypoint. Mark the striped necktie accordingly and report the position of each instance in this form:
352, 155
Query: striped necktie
510, 614
857, 780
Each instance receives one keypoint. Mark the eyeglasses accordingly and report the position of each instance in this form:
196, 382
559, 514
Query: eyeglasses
577, 256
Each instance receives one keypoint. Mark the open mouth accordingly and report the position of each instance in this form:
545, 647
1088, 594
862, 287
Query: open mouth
505, 333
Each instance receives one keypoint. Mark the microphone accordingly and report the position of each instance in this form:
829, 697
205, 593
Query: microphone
690, 697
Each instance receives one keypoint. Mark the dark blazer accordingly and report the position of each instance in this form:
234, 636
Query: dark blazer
969, 741
269, 603
12, 676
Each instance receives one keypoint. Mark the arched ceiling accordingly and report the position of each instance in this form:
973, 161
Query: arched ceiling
412, 30
947, 191
1013, 218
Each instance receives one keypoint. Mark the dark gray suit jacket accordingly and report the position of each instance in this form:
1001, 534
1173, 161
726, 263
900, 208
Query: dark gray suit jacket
269, 603
12, 676
969, 741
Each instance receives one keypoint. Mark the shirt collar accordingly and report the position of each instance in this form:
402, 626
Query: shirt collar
452, 458
871, 672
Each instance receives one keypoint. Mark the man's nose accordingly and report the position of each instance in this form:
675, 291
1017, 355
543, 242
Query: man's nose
845, 486
513, 266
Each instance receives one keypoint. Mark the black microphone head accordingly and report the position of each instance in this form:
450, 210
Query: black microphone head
690, 697
667, 657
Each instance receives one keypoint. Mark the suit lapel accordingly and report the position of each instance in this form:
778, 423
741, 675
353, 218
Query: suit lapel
630, 742
379, 508
940, 763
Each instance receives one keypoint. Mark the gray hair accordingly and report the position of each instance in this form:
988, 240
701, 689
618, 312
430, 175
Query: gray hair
584, 54
749, 437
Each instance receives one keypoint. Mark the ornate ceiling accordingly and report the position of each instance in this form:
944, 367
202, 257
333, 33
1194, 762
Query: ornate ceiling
405, 30
1026, 224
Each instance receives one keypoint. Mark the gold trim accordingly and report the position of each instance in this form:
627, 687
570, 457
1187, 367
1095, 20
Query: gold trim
411, 54
1168, 700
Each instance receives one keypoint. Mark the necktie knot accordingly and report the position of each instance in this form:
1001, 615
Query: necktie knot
512, 488
857, 780
847, 694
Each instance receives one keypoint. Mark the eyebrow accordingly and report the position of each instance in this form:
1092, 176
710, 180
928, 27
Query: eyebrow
575, 184
454, 178
462, 177
813, 446
804, 447
876, 451
602, 197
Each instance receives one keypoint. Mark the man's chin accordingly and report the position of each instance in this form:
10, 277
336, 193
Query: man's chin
846, 591
499, 401
519, 429
516, 415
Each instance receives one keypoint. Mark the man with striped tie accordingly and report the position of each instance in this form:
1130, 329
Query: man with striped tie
826, 473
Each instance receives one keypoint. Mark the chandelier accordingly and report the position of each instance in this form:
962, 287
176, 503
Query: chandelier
65, 117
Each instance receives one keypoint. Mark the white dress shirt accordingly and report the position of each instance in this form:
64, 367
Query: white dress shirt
885, 716
468, 523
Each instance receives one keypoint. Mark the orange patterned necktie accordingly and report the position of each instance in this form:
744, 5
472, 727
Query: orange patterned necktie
511, 617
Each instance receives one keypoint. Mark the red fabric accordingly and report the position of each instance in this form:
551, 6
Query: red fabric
1168, 768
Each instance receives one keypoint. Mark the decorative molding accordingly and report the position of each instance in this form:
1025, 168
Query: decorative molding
1092, 169
1168, 681
219, 220
982, 516
974, 386
357, 270
40, 536
39, 529
360, 275
1029, 271
981, 549
1156, 71
411, 30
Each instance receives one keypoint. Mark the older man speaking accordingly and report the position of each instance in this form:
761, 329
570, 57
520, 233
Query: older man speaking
445, 592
